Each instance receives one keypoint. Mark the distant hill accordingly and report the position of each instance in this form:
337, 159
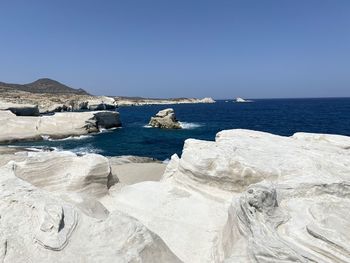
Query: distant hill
42, 86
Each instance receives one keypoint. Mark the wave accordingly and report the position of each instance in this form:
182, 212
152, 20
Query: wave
80, 137
103, 130
43, 149
184, 125
78, 150
190, 125
84, 150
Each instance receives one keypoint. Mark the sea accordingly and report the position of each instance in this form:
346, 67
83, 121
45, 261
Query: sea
203, 121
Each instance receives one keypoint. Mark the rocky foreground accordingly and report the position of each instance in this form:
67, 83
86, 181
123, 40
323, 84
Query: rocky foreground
246, 197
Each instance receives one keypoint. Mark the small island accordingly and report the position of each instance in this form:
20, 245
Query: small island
165, 119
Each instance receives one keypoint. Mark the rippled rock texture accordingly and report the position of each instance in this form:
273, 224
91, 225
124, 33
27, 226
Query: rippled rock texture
250, 197
50, 213
246, 197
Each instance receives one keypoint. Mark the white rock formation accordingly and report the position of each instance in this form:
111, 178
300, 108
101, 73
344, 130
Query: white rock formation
41, 226
165, 119
250, 197
127, 101
101, 103
246, 197
20, 109
85, 175
207, 100
59, 125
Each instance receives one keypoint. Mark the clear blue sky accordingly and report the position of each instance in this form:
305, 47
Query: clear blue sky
180, 48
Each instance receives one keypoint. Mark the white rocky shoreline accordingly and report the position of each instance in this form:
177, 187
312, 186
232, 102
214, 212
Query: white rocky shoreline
248, 196
127, 101
57, 126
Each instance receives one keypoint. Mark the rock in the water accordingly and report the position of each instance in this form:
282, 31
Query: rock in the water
59, 125
165, 119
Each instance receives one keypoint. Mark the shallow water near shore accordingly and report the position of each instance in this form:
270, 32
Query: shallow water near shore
203, 121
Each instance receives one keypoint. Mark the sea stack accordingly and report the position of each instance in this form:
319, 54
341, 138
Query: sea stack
165, 119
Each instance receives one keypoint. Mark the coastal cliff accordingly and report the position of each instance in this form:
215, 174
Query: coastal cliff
52, 96
248, 196
59, 125
129, 101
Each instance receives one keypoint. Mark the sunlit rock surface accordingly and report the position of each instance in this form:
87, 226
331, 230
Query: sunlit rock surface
165, 119
59, 125
20, 109
130, 101
250, 197
246, 197
43, 223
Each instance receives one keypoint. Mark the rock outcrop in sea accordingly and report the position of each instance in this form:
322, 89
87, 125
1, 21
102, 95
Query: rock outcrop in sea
246, 197
165, 119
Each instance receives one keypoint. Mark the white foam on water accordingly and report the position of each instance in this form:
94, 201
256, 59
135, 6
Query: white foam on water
190, 125
81, 137
33, 149
103, 130
184, 125
85, 150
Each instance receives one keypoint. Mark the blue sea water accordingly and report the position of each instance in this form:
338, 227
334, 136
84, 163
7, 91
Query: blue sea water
203, 121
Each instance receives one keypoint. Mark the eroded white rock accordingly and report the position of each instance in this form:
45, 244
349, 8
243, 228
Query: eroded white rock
39, 226
165, 119
246, 197
59, 125
250, 197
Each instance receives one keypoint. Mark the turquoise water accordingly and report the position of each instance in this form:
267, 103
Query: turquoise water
203, 121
